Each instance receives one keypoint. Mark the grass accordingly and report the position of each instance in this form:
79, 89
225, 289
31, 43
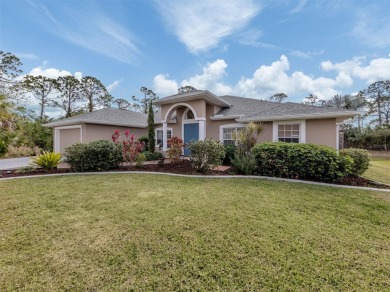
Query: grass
148, 232
379, 170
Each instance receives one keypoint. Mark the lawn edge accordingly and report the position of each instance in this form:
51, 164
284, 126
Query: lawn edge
203, 176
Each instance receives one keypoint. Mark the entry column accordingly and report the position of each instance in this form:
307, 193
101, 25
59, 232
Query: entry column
165, 136
202, 129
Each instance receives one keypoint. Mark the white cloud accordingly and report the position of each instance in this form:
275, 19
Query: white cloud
78, 75
92, 31
111, 87
270, 79
163, 86
372, 26
211, 79
202, 24
29, 56
375, 70
298, 8
49, 73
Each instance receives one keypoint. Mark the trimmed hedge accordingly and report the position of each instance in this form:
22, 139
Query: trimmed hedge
301, 161
230, 151
361, 159
152, 155
94, 156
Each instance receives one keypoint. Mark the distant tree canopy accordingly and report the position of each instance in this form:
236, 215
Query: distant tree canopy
185, 89
141, 104
278, 97
94, 93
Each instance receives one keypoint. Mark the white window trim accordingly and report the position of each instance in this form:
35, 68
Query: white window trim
236, 125
162, 130
57, 135
302, 129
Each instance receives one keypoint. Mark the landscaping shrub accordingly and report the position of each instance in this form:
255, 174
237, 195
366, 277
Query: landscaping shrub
145, 140
152, 155
3, 148
246, 138
130, 147
139, 162
361, 159
244, 163
301, 161
21, 151
175, 148
47, 160
206, 154
94, 156
230, 150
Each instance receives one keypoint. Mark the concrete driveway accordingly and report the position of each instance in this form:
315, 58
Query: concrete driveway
13, 163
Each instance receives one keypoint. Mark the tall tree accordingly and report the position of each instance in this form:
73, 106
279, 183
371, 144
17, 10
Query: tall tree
185, 89
122, 103
152, 141
95, 93
9, 70
41, 88
141, 104
378, 93
70, 95
311, 99
9, 67
278, 97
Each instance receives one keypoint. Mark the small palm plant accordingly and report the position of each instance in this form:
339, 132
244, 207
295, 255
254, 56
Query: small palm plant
47, 160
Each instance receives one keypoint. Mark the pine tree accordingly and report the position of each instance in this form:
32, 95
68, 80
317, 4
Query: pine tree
152, 143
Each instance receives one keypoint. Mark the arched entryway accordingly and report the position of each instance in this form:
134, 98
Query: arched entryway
192, 126
190, 129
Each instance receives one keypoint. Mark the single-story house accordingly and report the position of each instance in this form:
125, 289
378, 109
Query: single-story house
199, 114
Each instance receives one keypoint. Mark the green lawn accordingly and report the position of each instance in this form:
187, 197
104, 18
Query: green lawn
149, 232
379, 170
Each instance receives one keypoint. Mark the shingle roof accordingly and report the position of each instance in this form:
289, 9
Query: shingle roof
248, 108
107, 116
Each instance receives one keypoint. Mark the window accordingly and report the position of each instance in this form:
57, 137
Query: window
288, 133
189, 115
228, 135
159, 137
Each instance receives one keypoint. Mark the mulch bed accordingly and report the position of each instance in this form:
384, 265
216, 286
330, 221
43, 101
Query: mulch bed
184, 167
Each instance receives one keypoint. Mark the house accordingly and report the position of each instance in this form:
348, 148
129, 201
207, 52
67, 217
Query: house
199, 114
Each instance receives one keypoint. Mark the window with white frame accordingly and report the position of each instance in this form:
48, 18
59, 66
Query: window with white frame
289, 133
189, 115
159, 136
229, 135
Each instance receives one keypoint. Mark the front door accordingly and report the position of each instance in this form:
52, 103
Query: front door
191, 133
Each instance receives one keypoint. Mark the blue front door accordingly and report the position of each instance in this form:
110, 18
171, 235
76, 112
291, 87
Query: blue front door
191, 132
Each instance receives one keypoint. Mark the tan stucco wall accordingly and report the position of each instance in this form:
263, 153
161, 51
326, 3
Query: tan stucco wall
213, 127
322, 132
199, 107
95, 132
68, 137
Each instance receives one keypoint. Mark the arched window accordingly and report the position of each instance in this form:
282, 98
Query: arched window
189, 115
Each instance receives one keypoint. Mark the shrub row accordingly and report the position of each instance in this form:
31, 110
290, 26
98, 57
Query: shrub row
301, 161
361, 159
94, 156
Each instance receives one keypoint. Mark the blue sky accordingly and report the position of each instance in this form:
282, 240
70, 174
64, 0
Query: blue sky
240, 47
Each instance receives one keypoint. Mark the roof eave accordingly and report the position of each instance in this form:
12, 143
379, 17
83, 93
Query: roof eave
220, 118
208, 96
78, 122
346, 114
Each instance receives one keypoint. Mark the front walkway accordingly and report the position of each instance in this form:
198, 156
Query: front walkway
14, 163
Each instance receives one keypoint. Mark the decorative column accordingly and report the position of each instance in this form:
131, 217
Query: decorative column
165, 136
202, 129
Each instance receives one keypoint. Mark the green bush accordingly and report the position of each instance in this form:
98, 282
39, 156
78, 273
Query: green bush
3, 148
244, 163
145, 140
206, 154
47, 160
139, 161
301, 161
361, 159
230, 151
152, 155
94, 156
